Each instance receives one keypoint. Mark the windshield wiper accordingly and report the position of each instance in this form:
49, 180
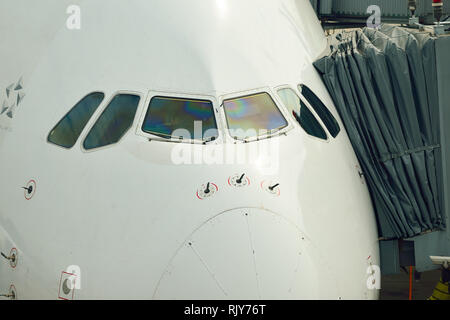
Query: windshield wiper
181, 138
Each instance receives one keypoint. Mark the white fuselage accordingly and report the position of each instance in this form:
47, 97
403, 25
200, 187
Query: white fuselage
126, 217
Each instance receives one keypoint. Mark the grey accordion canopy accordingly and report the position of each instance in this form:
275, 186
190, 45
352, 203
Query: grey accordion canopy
384, 85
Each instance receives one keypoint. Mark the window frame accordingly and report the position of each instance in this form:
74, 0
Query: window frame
101, 110
313, 112
80, 136
179, 95
241, 94
312, 108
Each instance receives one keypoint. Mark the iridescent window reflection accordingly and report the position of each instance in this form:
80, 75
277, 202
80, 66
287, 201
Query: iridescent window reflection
253, 115
180, 118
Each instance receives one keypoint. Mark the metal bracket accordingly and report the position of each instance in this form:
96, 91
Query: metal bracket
442, 261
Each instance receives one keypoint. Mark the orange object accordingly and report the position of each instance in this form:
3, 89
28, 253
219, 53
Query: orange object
410, 282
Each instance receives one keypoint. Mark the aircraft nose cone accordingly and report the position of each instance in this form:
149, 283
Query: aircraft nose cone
244, 254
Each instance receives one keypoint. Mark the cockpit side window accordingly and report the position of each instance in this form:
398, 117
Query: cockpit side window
301, 113
114, 122
189, 119
253, 115
322, 111
65, 134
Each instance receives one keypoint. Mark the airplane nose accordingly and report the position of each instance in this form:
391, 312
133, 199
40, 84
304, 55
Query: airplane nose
248, 253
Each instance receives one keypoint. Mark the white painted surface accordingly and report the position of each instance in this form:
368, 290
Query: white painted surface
125, 214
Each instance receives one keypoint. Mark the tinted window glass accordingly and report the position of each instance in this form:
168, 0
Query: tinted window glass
322, 111
114, 122
187, 118
301, 113
69, 128
253, 115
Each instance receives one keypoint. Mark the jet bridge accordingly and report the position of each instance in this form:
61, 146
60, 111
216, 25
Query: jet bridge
335, 13
391, 88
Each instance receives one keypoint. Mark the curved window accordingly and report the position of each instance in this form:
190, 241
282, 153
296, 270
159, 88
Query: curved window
322, 111
66, 132
181, 118
301, 113
253, 115
114, 122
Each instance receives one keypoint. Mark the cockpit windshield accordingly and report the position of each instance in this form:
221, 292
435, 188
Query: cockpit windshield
253, 115
188, 119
